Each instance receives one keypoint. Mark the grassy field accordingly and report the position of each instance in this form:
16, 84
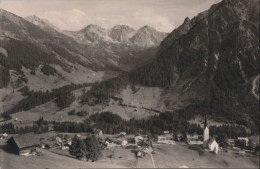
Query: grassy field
178, 155
166, 156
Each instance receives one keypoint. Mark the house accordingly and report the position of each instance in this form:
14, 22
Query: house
194, 139
164, 140
244, 138
58, 140
109, 142
138, 139
124, 143
213, 145
140, 153
98, 132
3, 136
24, 144
122, 134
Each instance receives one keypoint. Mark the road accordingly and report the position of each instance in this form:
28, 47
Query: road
255, 86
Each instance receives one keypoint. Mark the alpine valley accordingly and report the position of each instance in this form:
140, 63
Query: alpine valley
208, 65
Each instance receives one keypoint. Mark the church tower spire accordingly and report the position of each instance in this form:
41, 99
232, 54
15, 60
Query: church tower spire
205, 132
205, 121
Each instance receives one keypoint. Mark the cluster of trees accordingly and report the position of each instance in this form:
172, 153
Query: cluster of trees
24, 53
4, 77
175, 122
33, 99
172, 121
240, 144
222, 140
63, 97
48, 70
103, 91
89, 148
72, 127
232, 131
41, 126
79, 113
7, 128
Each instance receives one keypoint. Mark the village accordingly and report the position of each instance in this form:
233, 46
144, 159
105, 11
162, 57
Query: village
128, 150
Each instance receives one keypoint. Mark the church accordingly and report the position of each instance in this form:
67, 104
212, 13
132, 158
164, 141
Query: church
208, 142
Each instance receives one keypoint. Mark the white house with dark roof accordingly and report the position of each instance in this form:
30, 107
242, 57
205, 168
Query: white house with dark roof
213, 145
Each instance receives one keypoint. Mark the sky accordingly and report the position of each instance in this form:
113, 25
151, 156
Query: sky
163, 15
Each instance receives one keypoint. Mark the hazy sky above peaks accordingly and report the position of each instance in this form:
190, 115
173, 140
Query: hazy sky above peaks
163, 15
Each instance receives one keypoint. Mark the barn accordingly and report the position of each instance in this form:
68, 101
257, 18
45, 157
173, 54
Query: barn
24, 144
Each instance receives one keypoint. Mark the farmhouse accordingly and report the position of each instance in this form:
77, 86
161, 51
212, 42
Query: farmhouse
23, 144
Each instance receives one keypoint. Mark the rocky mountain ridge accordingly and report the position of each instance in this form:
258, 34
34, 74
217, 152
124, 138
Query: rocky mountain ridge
146, 36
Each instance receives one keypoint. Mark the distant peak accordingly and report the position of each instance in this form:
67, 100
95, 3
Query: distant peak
32, 17
122, 27
93, 26
147, 28
187, 20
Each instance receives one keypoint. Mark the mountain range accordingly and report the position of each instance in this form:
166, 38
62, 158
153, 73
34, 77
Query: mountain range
30, 43
205, 66
145, 36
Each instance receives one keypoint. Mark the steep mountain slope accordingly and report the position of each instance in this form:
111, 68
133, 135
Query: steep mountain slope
34, 44
204, 66
44, 24
26, 47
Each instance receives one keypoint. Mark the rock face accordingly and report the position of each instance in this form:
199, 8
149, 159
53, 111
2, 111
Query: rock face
121, 33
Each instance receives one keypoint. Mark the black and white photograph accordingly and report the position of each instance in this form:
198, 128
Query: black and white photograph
129, 84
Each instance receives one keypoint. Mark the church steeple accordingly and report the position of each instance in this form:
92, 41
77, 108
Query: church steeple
205, 121
205, 132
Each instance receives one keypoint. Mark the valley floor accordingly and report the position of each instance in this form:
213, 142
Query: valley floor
166, 156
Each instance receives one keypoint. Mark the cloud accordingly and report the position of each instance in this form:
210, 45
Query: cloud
151, 18
70, 20
163, 15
